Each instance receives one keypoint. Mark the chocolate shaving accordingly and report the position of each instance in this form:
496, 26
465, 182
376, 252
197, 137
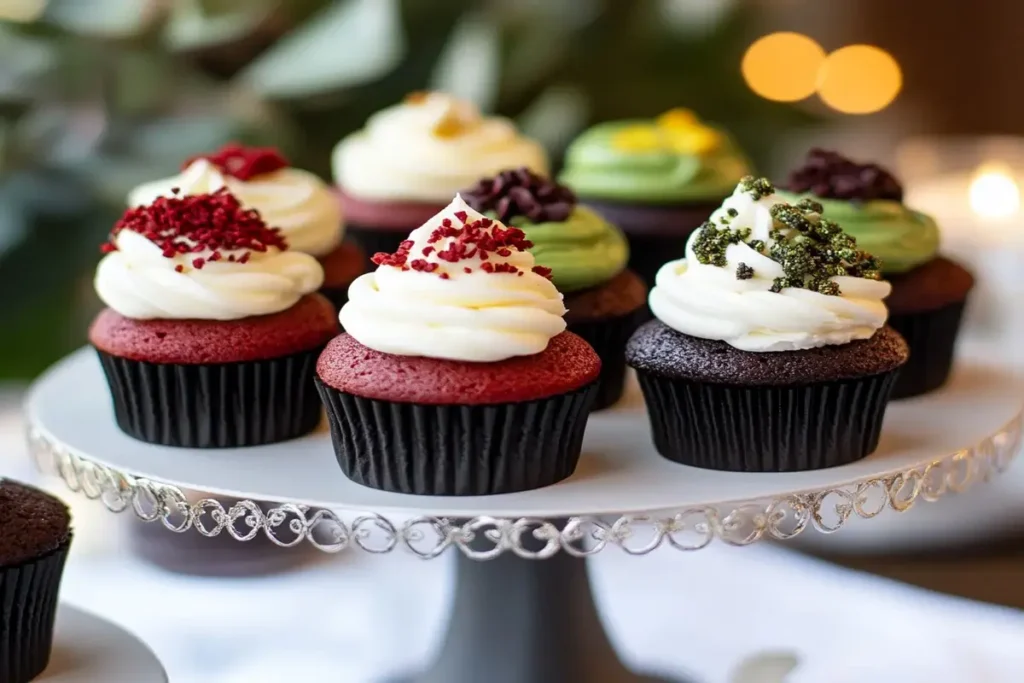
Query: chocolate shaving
830, 175
521, 193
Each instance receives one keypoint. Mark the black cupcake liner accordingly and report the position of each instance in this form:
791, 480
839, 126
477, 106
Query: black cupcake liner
373, 240
766, 428
931, 336
608, 336
28, 610
452, 450
222, 405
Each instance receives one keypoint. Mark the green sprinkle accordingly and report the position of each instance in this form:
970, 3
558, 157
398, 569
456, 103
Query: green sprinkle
758, 188
744, 272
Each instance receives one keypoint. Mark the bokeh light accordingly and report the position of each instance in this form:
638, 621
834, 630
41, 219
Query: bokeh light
859, 79
993, 192
783, 66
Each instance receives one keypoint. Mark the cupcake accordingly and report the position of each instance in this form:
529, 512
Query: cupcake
213, 325
35, 535
929, 291
456, 375
299, 204
657, 180
410, 159
587, 256
769, 350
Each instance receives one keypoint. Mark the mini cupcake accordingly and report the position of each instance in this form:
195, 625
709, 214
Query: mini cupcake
213, 326
928, 291
769, 351
657, 180
410, 159
587, 256
35, 536
455, 376
299, 204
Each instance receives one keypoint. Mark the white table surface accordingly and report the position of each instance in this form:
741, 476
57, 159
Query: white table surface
353, 618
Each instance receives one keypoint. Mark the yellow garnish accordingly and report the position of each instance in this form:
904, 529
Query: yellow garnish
449, 126
677, 131
417, 97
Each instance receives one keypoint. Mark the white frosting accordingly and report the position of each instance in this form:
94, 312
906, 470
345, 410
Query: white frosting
138, 282
296, 201
399, 156
710, 302
473, 317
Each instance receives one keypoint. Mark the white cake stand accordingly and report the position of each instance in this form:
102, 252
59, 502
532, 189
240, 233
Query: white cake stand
88, 649
517, 620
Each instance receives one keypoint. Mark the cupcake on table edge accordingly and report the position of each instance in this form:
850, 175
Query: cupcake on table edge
769, 351
295, 201
455, 375
35, 536
410, 159
656, 180
213, 326
929, 291
587, 256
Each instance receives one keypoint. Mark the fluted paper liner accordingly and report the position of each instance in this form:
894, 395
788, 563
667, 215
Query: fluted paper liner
764, 428
452, 450
222, 405
609, 337
931, 336
28, 609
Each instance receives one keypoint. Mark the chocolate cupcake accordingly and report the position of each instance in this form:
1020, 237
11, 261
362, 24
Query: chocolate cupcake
296, 202
656, 180
213, 326
587, 256
35, 536
456, 376
410, 159
929, 292
769, 352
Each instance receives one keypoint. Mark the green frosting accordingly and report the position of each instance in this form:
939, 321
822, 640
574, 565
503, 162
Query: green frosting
900, 237
582, 251
596, 168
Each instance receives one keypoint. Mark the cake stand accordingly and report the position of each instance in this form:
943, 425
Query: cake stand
88, 649
516, 619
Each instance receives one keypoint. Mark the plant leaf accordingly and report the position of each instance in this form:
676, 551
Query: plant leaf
25, 59
189, 27
347, 44
106, 18
470, 63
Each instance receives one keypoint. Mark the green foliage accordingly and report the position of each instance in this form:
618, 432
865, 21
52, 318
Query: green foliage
98, 96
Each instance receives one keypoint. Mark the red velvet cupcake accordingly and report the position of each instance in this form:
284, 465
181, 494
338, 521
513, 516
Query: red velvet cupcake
456, 376
213, 326
409, 159
297, 202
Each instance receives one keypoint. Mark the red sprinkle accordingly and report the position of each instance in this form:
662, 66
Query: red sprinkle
542, 271
243, 163
199, 223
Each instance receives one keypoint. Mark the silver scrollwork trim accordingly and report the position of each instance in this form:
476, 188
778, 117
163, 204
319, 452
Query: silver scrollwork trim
483, 538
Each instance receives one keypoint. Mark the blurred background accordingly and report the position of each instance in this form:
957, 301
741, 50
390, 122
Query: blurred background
97, 96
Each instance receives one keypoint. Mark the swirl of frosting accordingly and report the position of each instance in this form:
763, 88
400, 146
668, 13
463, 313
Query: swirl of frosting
674, 158
733, 294
463, 287
581, 248
201, 257
296, 201
428, 148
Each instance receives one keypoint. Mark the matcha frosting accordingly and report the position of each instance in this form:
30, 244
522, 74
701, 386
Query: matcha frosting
582, 251
672, 159
898, 236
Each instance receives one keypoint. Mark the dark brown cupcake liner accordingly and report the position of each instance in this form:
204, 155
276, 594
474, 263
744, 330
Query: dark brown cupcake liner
931, 336
608, 336
28, 610
452, 450
766, 428
373, 240
222, 405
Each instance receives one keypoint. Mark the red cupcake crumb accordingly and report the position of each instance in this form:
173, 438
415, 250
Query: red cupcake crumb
567, 364
244, 163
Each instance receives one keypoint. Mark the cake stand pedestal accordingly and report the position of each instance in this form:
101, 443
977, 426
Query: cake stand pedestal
88, 649
527, 615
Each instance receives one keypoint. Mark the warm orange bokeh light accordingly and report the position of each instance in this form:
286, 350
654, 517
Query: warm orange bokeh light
783, 66
859, 79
